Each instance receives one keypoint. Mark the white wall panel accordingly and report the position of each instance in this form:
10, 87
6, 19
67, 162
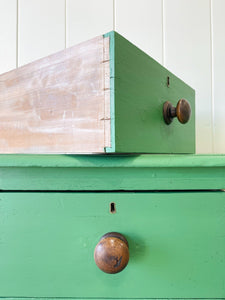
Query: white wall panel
41, 28
140, 21
188, 36
218, 39
188, 55
8, 35
86, 19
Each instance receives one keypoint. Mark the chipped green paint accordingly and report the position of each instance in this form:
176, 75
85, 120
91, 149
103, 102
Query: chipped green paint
111, 36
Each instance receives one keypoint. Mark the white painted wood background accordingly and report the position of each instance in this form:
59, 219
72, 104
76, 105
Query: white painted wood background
186, 36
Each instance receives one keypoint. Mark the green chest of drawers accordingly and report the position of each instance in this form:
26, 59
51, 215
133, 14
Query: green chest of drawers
54, 209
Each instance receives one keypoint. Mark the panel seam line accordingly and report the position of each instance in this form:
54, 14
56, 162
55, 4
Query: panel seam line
163, 34
212, 78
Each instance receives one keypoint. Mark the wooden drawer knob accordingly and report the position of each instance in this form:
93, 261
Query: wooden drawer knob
182, 111
112, 253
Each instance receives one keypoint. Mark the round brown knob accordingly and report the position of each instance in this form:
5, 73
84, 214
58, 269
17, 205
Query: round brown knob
182, 111
112, 253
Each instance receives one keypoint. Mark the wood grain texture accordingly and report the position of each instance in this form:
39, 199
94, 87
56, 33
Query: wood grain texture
8, 35
218, 50
110, 36
107, 120
41, 29
43, 25
56, 104
176, 244
112, 253
187, 54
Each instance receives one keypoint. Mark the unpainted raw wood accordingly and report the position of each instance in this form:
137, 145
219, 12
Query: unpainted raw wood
57, 104
107, 92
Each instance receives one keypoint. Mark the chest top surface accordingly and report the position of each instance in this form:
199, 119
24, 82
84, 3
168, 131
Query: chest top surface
112, 172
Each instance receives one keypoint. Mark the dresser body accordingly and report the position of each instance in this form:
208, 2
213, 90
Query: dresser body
170, 208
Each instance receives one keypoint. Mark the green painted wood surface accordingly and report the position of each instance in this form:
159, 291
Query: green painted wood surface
113, 161
112, 172
177, 243
118, 298
110, 35
138, 91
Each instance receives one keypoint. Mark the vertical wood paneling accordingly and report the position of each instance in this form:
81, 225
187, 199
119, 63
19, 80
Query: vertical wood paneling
86, 19
218, 47
41, 28
177, 31
8, 35
188, 55
140, 21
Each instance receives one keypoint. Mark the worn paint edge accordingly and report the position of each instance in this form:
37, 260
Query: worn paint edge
108, 179
107, 125
113, 161
111, 36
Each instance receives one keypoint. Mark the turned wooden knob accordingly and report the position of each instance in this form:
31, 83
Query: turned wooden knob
112, 253
182, 111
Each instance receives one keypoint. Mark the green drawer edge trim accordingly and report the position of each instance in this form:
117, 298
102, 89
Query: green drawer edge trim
112, 89
111, 172
61, 298
112, 161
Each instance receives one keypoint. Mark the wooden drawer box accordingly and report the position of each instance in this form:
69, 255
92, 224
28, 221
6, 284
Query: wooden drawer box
54, 209
103, 95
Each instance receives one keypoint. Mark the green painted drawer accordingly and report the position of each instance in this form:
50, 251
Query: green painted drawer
138, 89
176, 239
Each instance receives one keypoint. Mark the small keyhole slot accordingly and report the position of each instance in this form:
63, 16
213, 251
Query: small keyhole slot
112, 208
168, 81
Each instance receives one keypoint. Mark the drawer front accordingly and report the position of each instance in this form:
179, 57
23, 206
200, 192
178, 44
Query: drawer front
139, 87
176, 243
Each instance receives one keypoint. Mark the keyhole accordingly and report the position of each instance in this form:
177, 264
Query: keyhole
168, 81
112, 208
